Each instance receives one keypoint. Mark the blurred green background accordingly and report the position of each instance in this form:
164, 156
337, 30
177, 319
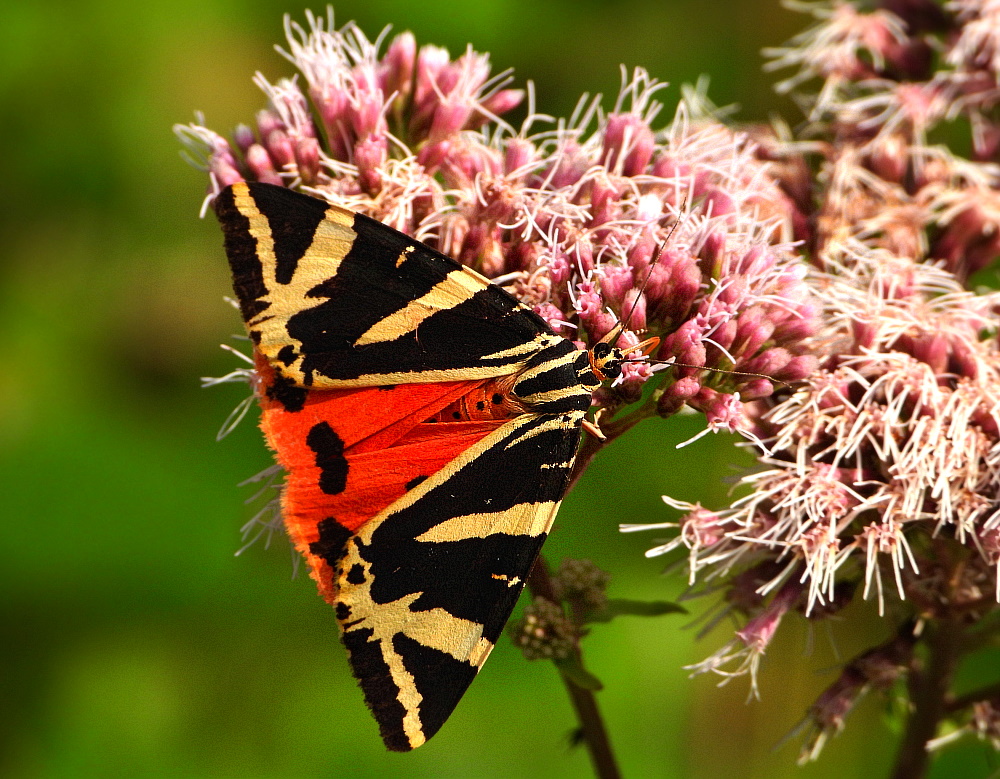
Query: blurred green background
134, 643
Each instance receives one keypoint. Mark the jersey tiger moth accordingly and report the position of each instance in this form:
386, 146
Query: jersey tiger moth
427, 422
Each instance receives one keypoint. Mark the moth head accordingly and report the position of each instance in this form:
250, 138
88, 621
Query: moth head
606, 360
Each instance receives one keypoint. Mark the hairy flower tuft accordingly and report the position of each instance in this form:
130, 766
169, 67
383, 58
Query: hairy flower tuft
601, 223
879, 453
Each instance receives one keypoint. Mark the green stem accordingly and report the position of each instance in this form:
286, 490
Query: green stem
584, 701
929, 690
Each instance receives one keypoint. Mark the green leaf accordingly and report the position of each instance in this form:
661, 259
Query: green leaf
573, 670
618, 607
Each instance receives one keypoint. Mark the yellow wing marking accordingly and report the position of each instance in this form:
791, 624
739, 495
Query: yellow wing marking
457, 287
538, 343
524, 519
331, 242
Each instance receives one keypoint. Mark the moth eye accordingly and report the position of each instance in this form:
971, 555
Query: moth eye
612, 369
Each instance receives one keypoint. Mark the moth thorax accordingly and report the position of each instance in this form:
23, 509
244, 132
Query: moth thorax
491, 400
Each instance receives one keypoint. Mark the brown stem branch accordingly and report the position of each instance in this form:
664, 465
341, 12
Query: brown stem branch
584, 701
989, 692
591, 445
929, 689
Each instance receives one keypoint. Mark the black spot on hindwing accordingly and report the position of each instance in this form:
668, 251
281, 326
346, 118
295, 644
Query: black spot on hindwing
414, 482
286, 392
329, 449
332, 538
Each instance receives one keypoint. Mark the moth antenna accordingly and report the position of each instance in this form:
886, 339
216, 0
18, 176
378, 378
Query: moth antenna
615, 333
718, 370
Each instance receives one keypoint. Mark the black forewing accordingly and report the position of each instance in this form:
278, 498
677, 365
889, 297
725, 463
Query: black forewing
383, 271
371, 284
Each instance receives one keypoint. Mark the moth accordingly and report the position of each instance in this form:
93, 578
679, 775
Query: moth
427, 423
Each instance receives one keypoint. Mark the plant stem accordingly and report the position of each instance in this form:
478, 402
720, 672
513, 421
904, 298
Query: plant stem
929, 687
591, 445
584, 701
989, 692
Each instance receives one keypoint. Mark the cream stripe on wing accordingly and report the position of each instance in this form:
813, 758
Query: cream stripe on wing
551, 396
536, 344
525, 519
457, 287
331, 242
436, 628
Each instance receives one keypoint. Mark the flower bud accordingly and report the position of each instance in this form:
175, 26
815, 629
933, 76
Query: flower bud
244, 137
628, 144
260, 165
675, 395
544, 632
519, 154
307, 155
396, 72
369, 156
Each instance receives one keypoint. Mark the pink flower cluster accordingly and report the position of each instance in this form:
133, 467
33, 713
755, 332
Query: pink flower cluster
682, 231
881, 469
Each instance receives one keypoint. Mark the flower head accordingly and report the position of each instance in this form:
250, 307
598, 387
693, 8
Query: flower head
604, 224
879, 463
